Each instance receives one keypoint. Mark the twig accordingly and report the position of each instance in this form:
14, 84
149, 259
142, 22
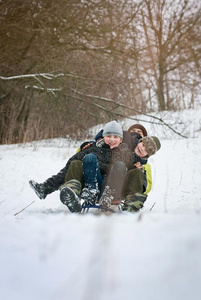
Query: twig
152, 206
140, 216
23, 208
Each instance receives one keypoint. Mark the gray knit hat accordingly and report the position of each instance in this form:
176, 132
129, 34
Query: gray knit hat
151, 143
113, 128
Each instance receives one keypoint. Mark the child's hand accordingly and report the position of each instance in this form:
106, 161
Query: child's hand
86, 146
138, 165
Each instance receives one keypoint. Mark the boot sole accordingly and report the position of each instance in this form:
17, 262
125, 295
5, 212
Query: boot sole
70, 199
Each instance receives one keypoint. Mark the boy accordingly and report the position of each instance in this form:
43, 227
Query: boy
146, 168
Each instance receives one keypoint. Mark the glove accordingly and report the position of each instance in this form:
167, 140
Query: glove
100, 142
86, 145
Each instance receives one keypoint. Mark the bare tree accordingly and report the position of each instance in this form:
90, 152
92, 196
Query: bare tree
170, 50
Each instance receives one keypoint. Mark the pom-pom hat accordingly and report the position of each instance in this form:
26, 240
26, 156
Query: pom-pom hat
151, 143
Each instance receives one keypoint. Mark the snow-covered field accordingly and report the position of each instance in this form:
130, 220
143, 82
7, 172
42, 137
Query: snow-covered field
47, 253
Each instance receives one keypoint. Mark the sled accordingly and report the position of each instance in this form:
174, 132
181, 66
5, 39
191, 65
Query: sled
85, 208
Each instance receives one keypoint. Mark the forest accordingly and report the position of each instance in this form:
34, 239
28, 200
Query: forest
71, 64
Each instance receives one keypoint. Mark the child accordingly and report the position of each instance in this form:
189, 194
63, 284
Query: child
147, 178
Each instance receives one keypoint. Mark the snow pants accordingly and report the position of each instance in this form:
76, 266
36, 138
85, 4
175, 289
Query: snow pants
133, 182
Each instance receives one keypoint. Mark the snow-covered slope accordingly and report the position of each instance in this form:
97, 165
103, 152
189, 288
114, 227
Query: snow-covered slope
48, 253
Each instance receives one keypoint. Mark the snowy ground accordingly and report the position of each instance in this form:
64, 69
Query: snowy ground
47, 253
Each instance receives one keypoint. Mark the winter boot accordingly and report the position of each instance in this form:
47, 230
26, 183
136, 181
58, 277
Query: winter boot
41, 189
89, 196
69, 195
134, 202
107, 197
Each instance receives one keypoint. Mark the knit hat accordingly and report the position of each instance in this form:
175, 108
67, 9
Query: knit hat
138, 126
151, 143
113, 128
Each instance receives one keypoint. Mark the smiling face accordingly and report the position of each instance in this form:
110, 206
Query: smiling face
112, 140
140, 150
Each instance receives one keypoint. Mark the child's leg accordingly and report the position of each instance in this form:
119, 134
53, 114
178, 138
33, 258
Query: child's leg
133, 181
114, 184
116, 178
92, 179
71, 189
42, 189
92, 175
133, 191
75, 171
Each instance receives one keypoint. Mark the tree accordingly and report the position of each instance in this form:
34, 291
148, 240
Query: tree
170, 47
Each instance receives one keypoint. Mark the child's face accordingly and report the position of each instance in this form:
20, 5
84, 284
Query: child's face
140, 150
138, 131
112, 140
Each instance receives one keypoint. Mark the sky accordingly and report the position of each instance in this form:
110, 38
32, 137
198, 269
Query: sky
49, 253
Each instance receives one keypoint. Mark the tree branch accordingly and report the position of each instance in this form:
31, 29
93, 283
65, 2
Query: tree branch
161, 121
48, 76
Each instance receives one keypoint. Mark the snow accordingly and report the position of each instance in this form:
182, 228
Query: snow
48, 253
